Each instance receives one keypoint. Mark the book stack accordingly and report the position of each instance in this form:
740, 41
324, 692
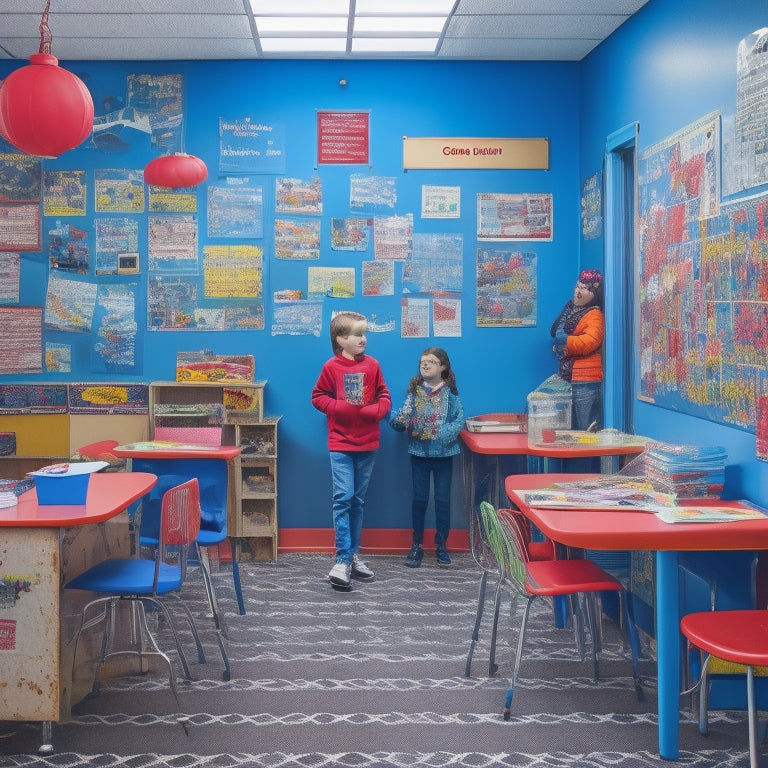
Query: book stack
688, 471
10, 490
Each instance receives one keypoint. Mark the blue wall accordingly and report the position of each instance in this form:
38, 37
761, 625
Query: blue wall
495, 368
670, 64
664, 68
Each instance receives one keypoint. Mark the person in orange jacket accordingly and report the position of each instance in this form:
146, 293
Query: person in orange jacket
578, 333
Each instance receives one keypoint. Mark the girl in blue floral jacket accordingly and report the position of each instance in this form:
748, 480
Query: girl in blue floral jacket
433, 417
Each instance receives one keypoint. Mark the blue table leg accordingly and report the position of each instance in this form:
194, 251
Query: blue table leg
668, 653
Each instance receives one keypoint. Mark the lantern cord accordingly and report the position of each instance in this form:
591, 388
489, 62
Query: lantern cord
45, 31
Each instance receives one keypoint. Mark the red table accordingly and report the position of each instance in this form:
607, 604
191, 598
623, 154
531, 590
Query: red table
44, 547
614, 530
496, 444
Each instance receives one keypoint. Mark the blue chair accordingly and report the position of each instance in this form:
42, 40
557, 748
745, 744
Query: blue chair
145, 583
212, 477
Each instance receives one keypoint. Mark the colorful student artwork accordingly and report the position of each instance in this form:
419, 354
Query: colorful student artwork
10, 277
114, 235
338, 282
116, 330
592, 207
378, 278
232, 271
118, 190
58, 357
108, 397
393, 236
20, 178
440, 202
414, 318
297, 239
172, 244
351, 234
299, 196
64, 193
68, 248
69, 304
703, 285
514, 216
446, 316
172, 200
506, 288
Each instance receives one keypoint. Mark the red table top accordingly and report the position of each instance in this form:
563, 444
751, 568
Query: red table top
108, 495
160, 450
516, 443
618, 530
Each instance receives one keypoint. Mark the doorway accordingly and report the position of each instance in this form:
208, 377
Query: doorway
620, 211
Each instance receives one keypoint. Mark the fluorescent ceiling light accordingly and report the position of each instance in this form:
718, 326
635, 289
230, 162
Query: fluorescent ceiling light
308, 7
418, 7
394, 44
400, 24
303, 44
292, 25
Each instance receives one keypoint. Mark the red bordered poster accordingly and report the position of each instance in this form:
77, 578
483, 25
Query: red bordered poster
21, 344
343, 138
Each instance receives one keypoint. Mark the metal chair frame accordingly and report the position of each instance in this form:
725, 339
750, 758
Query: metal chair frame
503, 532
150, 583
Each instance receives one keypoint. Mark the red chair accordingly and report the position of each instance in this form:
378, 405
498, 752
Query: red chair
739, 637
549, 578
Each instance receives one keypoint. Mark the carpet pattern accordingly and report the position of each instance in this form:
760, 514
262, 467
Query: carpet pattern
375, 677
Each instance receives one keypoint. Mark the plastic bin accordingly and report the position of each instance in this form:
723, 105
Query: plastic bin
547, 411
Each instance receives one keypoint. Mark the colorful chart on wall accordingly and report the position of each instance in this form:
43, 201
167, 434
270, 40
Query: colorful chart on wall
506, 288
21, 343
703, 284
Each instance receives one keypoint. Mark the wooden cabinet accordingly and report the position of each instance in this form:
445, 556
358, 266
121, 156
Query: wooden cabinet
228, 413
256, 473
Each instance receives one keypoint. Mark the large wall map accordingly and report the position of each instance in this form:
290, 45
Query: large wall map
703, 283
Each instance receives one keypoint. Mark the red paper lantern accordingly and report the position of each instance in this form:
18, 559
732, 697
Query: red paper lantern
45, 110
178, 170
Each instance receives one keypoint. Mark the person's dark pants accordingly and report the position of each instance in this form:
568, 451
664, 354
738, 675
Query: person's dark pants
440, 470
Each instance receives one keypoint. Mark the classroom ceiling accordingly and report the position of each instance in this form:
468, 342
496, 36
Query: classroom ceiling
135, 30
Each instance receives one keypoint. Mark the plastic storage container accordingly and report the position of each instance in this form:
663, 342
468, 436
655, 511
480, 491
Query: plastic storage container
547, 410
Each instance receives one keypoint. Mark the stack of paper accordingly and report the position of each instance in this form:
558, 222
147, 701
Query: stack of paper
688, 471
10, 490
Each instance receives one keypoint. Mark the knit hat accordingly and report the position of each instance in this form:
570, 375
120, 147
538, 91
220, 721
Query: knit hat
591, 278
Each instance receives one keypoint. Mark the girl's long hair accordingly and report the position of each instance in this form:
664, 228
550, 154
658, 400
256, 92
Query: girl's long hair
447, 374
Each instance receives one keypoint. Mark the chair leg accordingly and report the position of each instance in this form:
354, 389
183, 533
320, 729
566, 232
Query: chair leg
518, 656
754, 753
195, 634
166, 613
492, 665
46, 745
234, 545
478, 620
704, 700
202, 556
634, 640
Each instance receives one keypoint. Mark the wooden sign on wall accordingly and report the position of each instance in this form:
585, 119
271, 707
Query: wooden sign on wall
455, 153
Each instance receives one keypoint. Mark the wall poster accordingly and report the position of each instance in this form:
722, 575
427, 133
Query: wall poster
343, 138
703, 284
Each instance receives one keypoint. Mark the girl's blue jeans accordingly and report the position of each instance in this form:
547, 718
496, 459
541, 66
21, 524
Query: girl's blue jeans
351, 472
587, 404
440, 470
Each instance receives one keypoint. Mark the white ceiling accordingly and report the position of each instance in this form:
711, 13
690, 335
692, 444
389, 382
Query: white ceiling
501, 30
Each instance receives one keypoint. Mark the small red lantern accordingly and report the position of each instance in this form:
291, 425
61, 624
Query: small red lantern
178, 170
45, 110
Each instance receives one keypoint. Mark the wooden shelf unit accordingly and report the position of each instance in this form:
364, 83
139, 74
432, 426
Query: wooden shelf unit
252, 497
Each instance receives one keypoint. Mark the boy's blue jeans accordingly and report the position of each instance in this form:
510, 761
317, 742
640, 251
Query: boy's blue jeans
440, 468
351, 472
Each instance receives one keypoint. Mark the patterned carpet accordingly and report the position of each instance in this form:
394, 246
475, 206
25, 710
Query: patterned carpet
374, 677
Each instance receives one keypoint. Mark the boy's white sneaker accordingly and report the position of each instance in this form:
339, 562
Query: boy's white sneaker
340, 574
360, 570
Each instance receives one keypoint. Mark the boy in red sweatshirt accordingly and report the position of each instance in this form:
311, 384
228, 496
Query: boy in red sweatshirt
351, 392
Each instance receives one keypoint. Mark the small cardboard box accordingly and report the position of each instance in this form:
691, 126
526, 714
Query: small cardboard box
65, 483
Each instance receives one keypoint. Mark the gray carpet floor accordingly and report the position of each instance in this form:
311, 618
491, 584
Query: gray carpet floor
375, 677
